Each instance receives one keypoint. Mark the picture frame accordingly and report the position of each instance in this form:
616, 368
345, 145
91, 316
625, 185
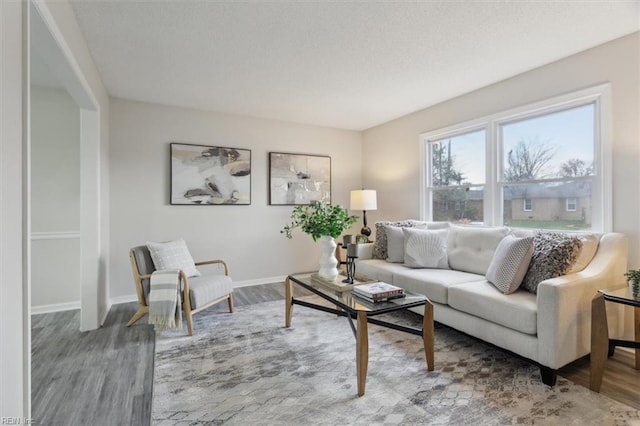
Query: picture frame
299, 179
209, 175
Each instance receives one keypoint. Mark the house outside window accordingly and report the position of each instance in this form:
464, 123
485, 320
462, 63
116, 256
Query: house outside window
554, 154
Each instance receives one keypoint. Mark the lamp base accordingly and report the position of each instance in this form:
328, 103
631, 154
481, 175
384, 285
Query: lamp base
366, 231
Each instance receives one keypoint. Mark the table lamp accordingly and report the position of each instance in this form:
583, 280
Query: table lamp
364, 199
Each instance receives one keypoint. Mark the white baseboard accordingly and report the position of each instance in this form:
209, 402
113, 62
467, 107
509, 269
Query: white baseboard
56, 307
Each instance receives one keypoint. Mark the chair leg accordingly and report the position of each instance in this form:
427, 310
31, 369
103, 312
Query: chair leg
189, 317
142, 311
230, 301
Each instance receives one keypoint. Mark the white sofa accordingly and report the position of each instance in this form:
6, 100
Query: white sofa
551, 328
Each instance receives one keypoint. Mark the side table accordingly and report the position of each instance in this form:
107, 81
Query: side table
601, 344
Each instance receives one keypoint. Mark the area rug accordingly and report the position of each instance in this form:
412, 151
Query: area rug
245, 368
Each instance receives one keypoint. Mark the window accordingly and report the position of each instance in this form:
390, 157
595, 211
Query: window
552, 155
456, 177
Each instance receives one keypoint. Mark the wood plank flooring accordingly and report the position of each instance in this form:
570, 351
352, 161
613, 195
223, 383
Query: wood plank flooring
105, 377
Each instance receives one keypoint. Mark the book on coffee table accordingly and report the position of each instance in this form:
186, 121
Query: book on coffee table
378, 291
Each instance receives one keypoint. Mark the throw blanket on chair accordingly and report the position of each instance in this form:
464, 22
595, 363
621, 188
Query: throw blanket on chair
164, 299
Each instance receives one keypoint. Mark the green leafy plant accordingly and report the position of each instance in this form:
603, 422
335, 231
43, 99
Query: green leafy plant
318, 220
634, 276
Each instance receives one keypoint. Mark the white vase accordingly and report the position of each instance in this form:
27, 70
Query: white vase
328, 262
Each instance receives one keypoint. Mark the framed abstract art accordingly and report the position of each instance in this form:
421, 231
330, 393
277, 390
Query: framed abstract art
299, 178
210, 175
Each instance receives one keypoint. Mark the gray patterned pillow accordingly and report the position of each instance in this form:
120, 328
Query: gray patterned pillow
553, 254
380, 245
510, 262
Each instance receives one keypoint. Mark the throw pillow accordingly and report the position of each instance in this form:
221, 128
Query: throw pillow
395, 244
380, 245
425, 248
173, 255
510, 263
553, 254
590, 244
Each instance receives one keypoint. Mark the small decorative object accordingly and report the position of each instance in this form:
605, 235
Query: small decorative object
346, 240
364, 199
634, 281
210, 175
296, 179
351, 263
361, 239
323, 222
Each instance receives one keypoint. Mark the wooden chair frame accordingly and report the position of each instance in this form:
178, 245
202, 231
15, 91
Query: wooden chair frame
143, 306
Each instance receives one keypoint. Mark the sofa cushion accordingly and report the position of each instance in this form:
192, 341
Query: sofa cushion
553, 254
433, 283
377, 269
395, 244
517, 311
471, 248
425, 248
510, 262
173, 255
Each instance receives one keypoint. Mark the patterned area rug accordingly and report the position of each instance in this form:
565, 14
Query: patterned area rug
245, 368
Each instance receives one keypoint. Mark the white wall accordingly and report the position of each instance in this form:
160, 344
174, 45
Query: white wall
247, 237
55, 198
391, 151
14, 320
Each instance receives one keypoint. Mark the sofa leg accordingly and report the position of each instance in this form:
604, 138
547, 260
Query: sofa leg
549, 375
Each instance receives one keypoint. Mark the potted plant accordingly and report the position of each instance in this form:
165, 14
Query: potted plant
322, 222
634, 281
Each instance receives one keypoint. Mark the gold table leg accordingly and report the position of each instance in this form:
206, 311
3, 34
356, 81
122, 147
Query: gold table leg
599, 341
288, 307
427, 335
362, 351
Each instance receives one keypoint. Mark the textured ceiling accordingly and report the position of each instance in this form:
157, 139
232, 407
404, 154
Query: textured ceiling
350, 65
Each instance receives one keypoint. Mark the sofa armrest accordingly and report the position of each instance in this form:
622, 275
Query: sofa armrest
564, 303
364, 251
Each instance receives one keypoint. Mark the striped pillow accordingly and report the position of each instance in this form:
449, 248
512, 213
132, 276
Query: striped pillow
510, 263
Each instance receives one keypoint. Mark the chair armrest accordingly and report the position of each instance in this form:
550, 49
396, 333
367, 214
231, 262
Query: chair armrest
364, 251
564, 303
213, 262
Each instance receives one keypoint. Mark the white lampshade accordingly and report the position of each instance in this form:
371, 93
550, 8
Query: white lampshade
364, 199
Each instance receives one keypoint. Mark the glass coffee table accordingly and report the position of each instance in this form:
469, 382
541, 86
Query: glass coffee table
363, 312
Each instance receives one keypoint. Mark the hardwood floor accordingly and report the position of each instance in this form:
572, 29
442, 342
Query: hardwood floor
106, 376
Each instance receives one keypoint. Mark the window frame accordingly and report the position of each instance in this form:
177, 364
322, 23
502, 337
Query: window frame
575, 204
601, 196
524, 205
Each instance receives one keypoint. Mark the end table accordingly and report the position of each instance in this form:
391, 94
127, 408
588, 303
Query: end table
601, 344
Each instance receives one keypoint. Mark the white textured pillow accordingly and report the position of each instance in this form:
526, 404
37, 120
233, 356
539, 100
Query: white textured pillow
173, 255
510, 263
395, 244
425, 248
